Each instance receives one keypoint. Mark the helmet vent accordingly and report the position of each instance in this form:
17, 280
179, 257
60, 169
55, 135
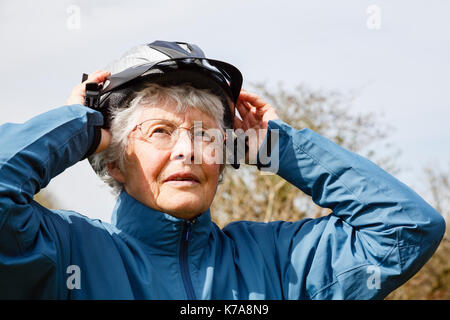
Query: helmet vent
184, 46
107, 82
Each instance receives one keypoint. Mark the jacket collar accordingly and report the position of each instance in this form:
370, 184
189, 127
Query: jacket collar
158, 230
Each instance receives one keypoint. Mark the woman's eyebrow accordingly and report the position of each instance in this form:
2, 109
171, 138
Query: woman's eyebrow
161, 120
195, 123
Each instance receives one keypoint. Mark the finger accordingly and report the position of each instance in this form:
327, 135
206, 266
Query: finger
92, 75
247, 124
237, 123
254, 99
251, 120
98, 76
243, 110
257, 113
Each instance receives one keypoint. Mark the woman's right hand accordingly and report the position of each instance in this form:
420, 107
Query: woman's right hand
77, 96
78, 93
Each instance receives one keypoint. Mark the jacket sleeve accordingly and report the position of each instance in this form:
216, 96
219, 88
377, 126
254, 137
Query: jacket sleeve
31, 154
378, 235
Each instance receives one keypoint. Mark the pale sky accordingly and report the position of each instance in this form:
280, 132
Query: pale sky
397, 60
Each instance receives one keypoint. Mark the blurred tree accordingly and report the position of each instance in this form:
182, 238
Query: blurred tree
438, 182
246, 194
45, 199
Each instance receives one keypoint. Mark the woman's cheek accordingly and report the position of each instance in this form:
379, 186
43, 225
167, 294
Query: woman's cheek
154, 162
212, 155
147, 167
212, 172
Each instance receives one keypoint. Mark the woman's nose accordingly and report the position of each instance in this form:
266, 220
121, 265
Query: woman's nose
183, 148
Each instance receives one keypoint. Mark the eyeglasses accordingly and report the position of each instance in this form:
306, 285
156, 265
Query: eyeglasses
164, 134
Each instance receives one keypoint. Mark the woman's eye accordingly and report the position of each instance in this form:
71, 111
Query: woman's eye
161, 131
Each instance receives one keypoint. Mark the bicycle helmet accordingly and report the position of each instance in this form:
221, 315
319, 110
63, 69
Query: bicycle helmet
165, 63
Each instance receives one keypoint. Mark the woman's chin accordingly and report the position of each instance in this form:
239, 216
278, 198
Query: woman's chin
183, 205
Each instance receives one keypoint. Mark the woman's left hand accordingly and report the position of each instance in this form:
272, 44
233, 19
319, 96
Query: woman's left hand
255, 114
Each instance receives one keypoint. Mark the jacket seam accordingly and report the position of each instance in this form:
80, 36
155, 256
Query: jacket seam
337, 280
402, 261
301, 149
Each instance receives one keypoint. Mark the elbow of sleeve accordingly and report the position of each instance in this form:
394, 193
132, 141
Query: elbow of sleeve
428, 225
432, 230
433, 225
437, 226
418, 242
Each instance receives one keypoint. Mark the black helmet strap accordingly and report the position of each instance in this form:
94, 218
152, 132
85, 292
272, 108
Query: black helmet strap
93, 92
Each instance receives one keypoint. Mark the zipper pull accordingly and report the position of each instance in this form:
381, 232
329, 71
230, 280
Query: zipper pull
189, 227
188, 230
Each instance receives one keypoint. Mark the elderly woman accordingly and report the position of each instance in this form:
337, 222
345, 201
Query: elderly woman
155, 143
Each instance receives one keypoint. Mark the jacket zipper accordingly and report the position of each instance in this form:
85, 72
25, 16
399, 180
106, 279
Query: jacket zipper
184, 260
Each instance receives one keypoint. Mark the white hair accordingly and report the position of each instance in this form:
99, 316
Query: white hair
124, 119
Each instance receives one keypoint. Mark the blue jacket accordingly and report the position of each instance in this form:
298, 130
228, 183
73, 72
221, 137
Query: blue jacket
378, 235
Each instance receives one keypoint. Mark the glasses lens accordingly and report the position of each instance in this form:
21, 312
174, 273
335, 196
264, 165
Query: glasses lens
160, 133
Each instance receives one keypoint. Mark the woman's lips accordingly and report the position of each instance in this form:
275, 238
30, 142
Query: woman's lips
182, 179
182, 183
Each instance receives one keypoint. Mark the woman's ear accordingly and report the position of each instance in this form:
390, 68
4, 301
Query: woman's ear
115, 172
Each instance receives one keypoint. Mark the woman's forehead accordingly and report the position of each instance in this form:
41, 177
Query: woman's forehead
169, 113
